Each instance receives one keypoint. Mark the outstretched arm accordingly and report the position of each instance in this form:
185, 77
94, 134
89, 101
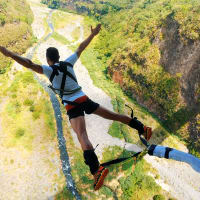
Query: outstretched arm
87, 41
21, 60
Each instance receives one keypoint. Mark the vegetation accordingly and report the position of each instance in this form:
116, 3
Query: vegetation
21, 108
125, 181
52, 3
141, 53
135, 53
15, 30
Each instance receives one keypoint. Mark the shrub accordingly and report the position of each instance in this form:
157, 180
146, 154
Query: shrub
159, 197
20, 133
32, 108
28, 102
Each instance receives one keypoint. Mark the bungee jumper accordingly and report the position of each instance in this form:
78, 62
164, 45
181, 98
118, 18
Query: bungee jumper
77, 103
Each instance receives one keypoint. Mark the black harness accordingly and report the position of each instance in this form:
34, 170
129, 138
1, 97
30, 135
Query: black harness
62, 68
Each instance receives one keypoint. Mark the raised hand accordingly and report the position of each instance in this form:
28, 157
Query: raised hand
96, 30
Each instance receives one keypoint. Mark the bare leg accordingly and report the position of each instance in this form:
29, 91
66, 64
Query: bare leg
107, 114
134, 123
78, 125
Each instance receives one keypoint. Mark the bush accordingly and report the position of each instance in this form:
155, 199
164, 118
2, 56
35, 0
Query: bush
32, 108
159, 197
28, 102
36, 115
28, 78
20, 133
115, 130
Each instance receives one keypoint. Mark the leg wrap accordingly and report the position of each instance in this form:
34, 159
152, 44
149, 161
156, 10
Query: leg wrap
91, 160
134, 123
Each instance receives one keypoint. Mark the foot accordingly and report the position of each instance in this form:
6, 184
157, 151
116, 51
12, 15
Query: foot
99, 177
147, 133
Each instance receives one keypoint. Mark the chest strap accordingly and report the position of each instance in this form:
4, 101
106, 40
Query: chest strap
62, 68
65, 92
73, 103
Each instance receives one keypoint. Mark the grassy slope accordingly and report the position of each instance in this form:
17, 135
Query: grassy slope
133, 48
123, 190
24, 95
27, 113
25, 103
15, 30
132, 52
121, 178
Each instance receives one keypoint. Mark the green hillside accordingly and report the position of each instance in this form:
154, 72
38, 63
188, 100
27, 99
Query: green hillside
15, 28
149, 55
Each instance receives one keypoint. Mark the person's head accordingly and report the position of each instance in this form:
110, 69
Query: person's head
52, 55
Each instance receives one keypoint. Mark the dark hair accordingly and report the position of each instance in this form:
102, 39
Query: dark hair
53, 54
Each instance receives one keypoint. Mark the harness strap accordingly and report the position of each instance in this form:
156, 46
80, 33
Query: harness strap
65, 92
55, 72
137, 156
71, 76
67, 63
151, 149
119, 160
62, 68
168, 149
143, 140
63, 84
70, 102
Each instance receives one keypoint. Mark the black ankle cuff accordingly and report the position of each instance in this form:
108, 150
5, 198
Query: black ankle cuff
136, 124
91, 160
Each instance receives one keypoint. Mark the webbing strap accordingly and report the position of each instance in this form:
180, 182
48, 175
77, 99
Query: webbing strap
151, 149
62, 68
65, 92
55, 72
66, 63
63, 84
138, 156
143, 140
71, 76
119, 160
70, 102
168, 149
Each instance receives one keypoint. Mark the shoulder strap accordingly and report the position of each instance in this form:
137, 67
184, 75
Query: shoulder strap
63, 68
68, 64
55, 72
